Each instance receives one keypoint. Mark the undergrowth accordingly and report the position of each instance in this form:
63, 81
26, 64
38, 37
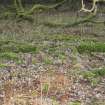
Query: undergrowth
9, 56
11, 46
3, 65
88, 47
94, 76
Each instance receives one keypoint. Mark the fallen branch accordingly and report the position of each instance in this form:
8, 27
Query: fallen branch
97, 22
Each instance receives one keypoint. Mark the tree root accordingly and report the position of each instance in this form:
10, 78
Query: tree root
20, 12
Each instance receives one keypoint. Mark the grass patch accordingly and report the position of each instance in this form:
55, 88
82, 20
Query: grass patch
89, 47
64, 38
94, 75
9, 56
74, 103
3, 42
25, 48
99, 72
47, 60
3, 65
10, 46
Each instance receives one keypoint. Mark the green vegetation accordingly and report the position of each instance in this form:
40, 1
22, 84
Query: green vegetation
3, 65
10, 46
94, 75
63, 37
99, 72
45, 88
49, 52
47, 60
9, 56
91, 47
75, 103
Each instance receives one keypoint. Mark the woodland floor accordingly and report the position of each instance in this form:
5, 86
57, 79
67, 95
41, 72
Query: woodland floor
43, 65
